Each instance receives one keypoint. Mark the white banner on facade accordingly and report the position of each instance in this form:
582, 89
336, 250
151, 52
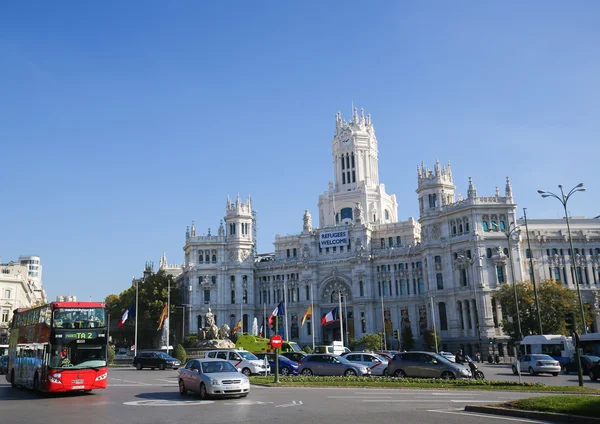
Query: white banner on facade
334, 238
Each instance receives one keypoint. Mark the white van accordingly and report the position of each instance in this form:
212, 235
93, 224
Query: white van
247, 362
337, 348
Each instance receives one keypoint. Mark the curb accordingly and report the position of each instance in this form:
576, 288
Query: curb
544, 416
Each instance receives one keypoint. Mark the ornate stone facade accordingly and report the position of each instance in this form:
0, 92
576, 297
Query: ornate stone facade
391, 273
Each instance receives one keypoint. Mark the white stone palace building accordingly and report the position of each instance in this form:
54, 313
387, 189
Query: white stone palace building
390, 272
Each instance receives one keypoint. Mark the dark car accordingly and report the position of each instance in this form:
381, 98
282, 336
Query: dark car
4, 364
587, 361
594, 371
286, 366
294, 356
328, 364
155, 360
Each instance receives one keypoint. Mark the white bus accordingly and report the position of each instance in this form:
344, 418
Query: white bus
557, 346
590, 343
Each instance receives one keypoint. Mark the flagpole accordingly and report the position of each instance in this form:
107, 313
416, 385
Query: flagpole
168, 311
341, 314
137, 282
312, 316
434, 329
264, 320
285, 310
242, 311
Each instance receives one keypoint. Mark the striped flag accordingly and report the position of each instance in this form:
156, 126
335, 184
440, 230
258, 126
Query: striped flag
238, 327
307, 314
163, 315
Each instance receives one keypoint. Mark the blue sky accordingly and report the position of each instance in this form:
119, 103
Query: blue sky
123, 121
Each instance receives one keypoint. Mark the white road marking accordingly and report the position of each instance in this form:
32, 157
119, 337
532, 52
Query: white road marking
522, 420
473, 401
286, 405
159, 402
355, 397
129, 381
247, 402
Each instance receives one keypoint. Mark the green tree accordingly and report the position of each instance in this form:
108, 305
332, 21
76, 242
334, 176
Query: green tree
372, 341
152, 298
180, 353
557, 304
432, 339
408, 340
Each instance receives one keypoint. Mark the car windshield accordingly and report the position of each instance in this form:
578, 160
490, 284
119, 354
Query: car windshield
165, 356
79, 318
74, 355
248, 355
593, 358
442, 359
343, 360
217, 366
542, 358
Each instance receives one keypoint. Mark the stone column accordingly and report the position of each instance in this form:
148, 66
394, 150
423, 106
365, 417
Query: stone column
474, 316
465, 318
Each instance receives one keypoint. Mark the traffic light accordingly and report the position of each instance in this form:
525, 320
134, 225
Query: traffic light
397, 334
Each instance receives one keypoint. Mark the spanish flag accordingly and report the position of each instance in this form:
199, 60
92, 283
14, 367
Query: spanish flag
307, 314
238, 327
163, 315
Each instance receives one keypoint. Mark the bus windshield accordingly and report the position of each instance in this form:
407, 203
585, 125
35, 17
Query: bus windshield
79, 318
73, 355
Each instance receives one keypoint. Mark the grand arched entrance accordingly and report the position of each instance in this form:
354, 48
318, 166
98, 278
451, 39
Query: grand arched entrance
336, 295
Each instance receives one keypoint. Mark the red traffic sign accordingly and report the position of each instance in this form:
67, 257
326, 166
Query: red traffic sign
276, 341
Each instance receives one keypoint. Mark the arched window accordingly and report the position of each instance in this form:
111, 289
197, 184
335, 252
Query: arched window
485, 226
459, 310
387, 215
245, 296
346, 213
214, 259
232, 297
454, 230
443, 316
505, 251
494, 225
502, 226
245, 323
437, 259
467, 226
213, 279
201, 257
361, 288
207, 258
435, 200
440, 281
460, 228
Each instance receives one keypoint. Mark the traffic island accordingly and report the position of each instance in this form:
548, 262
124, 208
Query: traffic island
561, 409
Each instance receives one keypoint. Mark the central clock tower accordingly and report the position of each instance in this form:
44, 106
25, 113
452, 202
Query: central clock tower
356, 175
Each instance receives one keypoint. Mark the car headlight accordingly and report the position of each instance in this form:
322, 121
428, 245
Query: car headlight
214, 382
363, 369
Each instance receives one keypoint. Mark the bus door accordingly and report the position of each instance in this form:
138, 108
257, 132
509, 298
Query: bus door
44, 363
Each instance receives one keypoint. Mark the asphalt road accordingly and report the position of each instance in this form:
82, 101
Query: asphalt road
150, 397
504, 372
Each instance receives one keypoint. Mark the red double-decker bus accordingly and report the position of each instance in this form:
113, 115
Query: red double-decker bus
59, 347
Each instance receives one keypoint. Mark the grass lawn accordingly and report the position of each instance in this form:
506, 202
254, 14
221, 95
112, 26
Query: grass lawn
413, 383
585, 406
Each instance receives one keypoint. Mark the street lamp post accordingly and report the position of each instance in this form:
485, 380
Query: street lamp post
564, 199
535, 293
508, 233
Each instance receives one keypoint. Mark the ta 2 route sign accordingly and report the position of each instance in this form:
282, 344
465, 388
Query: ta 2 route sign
276, 341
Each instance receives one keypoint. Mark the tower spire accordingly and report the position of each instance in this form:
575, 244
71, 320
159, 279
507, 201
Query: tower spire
472, 192
508, 191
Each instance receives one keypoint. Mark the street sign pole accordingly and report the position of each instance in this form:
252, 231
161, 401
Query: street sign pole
577, 353
276, 353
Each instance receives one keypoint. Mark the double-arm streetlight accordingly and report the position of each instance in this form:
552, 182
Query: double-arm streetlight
564, 198
508, 232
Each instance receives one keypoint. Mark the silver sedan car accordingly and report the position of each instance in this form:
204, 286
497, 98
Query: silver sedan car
212, 377
537, 364
377, 364
328, 364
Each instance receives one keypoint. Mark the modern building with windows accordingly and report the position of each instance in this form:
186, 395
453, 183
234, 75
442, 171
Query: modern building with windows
386, 272
20, 287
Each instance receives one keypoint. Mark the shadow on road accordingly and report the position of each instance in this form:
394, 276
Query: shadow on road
172, 395
19, 393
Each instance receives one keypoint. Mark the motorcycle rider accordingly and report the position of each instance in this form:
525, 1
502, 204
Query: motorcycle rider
459, 358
